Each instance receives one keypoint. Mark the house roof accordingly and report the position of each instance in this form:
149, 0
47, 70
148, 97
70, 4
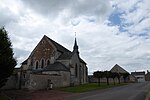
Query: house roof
58, 46
24, 62
81, 60
57, 66
65, 55
137, 73
118, 69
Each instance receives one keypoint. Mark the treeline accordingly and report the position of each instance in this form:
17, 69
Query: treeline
109, 74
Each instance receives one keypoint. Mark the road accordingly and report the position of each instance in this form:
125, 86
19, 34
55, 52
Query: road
135, 91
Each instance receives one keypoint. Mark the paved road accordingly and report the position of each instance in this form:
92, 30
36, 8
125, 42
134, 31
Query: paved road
136, 91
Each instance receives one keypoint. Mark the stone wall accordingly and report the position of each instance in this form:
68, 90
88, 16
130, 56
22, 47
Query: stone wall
104, 80
12, 83
40, 81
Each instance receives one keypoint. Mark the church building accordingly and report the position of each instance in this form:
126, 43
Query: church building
51, 63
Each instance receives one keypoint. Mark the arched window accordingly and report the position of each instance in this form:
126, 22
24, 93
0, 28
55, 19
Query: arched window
42, 63
48, 62
36, 64
76, 70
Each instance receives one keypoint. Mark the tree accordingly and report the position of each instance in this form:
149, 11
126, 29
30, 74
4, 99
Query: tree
118, 75
98, 75
125, 75
107, 74
113, 76
7, 61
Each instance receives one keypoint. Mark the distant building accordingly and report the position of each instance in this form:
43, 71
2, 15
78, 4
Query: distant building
147, 76
118, 69
140, 76
132, 78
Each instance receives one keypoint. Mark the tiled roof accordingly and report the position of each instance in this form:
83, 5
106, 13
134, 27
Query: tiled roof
57, 66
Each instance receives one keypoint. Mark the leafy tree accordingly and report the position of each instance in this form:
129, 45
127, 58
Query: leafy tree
113, 76
125, 75
7, 61
107, 74
98, 75
118, 75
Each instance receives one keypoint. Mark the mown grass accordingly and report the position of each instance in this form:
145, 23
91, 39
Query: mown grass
90, 87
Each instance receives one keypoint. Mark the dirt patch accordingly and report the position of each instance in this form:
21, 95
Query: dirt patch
38, 95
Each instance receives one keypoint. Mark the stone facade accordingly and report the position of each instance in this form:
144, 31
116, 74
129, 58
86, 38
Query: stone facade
51, 61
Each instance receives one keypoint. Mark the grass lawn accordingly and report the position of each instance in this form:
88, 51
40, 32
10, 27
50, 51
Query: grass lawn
2, 97
90, 87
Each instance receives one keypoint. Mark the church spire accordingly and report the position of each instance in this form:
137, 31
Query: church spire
75, 47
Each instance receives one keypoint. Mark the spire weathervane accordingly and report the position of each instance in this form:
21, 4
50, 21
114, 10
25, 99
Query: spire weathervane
75, 34
75, 48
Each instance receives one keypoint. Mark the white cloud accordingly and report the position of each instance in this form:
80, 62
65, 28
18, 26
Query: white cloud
136, 16
76, 8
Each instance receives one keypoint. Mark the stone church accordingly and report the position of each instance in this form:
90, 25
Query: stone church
51, 62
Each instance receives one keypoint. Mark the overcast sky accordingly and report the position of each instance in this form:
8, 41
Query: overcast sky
108, 32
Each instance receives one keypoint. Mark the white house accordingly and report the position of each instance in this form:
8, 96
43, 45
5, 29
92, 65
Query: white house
140, 76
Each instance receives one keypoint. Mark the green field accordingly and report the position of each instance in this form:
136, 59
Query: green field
90, 87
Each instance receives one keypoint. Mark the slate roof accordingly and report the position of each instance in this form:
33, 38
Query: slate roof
57, 66
118, 69
58, 46
65, 55
25, 62
81, 60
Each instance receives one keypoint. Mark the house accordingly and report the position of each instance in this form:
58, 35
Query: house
118, 69
51, 62
132, 78
140, 76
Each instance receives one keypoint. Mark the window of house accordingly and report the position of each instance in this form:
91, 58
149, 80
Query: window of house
48, 62
76, 70
24, 75
43, 42
42, 63
37, 65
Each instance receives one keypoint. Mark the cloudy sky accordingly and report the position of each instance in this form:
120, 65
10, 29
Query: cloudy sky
107, 31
